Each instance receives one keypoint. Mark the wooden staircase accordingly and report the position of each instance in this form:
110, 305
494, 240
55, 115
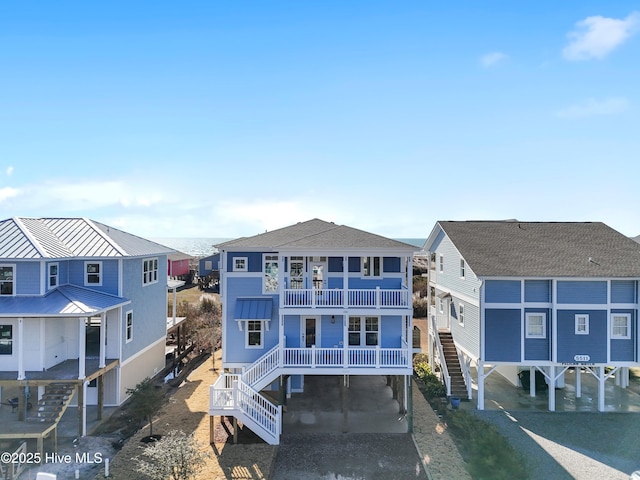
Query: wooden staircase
458, 385
53, 404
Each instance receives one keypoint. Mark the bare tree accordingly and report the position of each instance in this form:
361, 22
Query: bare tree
176, 456
146, 399
205, 327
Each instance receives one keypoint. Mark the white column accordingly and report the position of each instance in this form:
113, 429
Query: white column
345, 339
21, 373
601, 380
578, 371
103, 338
42, 343
82, 343
345, 281
480, 385
175, 306
532, 381
84, 409
552, 388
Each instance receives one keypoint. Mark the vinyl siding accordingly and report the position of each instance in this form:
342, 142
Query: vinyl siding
539, 348
570, 344
466, 336
502, 291
538, 291
623, 350
502, 335
623, 291
254, 260
586, 292
109, 275
27, 278
450, 279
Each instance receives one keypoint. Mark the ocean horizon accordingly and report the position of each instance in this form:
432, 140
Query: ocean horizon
205, 246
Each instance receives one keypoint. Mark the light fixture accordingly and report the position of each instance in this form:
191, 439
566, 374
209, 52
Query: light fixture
333, 319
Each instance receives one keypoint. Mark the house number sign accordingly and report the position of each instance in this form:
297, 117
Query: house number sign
582, 358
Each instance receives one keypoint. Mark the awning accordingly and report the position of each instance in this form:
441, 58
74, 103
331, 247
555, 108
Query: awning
443, 295
253, 309
174, 284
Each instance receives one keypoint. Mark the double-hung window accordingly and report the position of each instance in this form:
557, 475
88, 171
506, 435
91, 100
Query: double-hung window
7, 279
149, 271
582, 324
364, 331
93, 273
620, 325
441, 263
536, 325
461, 314
240, 264
462, 268
372, 266
53, 275
6, 339
270, 274
129, 326
253, 337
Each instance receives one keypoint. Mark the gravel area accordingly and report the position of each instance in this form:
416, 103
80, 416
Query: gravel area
570, 445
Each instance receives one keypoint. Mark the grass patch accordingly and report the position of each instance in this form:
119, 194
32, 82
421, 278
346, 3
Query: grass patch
488, 454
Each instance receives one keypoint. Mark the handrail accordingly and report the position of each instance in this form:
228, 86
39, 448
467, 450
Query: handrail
350, 297
262, 367
443, 362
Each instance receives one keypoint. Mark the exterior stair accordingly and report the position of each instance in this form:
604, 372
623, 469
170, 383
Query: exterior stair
458, 385
53, 404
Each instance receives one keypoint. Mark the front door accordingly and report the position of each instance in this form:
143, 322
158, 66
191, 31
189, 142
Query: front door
310, 332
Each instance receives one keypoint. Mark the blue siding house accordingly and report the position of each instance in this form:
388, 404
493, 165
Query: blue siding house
535, 297
81, 303
313, 298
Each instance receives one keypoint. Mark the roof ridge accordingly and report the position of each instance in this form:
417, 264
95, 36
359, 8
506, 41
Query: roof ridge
313, 234
27, 233
106, 237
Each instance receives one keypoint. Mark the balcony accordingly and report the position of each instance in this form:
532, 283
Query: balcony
377, 298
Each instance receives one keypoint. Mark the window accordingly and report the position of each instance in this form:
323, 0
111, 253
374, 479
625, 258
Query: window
270, 279
208, 265
150, 271
254, 334
461, 268
536, 325
371, 266
441, 305
363, 333
53, 275
296, 272
6, 339
620, 325
6, 280
582, 324
441, 263
240, 264
461, 314
93, 273
129, 336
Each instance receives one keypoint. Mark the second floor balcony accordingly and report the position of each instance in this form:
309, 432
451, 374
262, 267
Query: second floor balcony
378, 298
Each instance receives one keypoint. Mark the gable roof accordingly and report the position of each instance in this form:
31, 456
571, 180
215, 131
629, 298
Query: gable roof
317, 234
35, 238
544, 249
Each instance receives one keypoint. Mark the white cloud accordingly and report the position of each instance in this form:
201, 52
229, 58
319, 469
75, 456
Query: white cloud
7, 193
592, 108
9, 170
597, 36
490, 59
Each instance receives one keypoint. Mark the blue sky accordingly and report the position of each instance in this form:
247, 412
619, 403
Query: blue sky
231, 118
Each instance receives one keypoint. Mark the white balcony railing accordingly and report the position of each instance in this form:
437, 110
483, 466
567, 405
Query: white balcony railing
346, 358
337, 297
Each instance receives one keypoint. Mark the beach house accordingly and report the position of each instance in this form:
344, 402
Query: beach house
83, 306
314, 298
534, 297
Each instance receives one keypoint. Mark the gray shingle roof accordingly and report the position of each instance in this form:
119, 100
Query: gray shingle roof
317, 234
544, 249
34, 238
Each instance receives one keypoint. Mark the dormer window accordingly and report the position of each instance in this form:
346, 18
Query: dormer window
53, 275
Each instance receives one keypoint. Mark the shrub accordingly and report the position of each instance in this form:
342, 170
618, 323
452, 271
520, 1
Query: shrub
433, 387
420, 307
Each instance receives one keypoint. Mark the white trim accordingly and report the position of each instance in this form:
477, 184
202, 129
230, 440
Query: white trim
14, 282
271, 257
303, 330
143, 351
441, 263
49, 276
371, 266
469, 300
578, 317
463, 265
461, 314
152, 271
246, 335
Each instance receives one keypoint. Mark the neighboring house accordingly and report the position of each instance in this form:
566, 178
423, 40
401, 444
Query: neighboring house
313, 298
82, 303
209, 265
178, 265
528, 297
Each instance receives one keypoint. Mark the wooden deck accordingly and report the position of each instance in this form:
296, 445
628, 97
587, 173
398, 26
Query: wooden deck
67, 371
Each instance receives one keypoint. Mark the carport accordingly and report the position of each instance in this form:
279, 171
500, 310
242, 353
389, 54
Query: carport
370, 408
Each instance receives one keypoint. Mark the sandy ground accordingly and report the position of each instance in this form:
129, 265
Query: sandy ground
188, 410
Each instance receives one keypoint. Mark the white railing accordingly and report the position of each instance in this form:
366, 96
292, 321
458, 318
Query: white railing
374, 357
441, 321
326, 297
258, 408
262, 367
443, 363
221, 392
